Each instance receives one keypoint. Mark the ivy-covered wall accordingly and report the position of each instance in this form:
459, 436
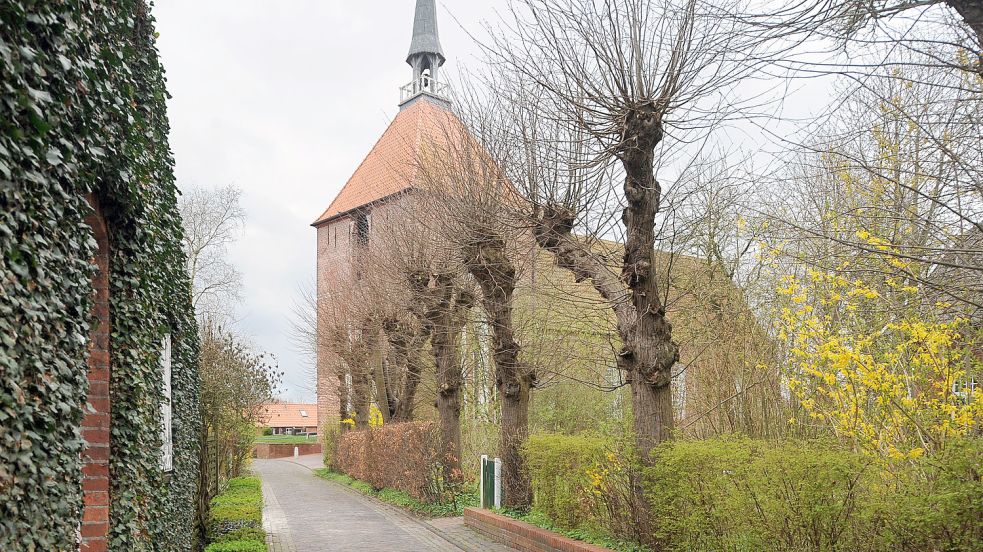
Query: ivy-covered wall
82, 111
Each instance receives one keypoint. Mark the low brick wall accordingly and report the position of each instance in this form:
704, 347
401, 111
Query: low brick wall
521, 535
283, 450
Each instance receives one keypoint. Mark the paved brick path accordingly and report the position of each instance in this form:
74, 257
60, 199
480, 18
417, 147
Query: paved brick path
304, 513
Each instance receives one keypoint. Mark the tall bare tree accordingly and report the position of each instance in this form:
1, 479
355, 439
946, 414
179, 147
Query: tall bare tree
598, 85
475, 205
212, 220
415, 259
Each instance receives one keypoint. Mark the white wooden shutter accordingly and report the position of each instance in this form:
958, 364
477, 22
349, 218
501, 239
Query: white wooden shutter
167, 440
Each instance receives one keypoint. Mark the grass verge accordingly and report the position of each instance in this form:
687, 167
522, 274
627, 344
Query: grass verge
403, 499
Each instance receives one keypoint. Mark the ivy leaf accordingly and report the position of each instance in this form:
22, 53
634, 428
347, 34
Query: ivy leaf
53, 156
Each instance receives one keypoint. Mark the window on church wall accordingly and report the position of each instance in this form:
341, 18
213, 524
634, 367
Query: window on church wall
360, 229
167, 437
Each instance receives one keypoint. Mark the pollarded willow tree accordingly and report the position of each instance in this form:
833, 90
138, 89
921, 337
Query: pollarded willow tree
474, 208
423, 294
593, 90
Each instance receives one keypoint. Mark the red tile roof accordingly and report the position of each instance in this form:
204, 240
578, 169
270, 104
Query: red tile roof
289, 415
390, 167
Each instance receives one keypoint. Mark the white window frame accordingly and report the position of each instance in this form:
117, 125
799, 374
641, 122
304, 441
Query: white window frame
167, 434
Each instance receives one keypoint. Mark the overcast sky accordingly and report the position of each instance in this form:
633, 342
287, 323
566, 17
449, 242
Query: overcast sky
283, 99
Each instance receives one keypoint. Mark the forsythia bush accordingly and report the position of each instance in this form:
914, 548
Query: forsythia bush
740, 494
404, 456
889, 380
235, 520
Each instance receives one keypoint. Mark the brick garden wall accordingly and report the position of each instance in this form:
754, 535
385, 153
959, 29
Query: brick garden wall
521, 535
284, 450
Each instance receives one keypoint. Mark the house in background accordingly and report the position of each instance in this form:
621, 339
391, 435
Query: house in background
290, 418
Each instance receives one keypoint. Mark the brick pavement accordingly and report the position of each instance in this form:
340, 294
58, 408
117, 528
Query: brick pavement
304, 513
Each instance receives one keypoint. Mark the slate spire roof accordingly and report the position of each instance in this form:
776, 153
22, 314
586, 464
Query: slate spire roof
425, 39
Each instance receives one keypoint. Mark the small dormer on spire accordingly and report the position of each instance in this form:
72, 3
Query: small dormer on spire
425, 55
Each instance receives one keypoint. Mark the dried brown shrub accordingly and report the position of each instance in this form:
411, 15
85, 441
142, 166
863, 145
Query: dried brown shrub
403, 456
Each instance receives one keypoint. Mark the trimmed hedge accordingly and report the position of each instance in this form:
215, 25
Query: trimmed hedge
235, 518
404, 456
82, 111
734, 493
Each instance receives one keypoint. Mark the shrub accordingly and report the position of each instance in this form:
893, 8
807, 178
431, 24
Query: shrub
331, 433
244, 534
237, 546
937, 505
739, 494
235, 518
267, 431
563, 470
403, 456
736, 494
584, 482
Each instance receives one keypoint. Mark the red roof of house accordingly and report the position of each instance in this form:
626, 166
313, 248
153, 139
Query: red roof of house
390, 167
289, 415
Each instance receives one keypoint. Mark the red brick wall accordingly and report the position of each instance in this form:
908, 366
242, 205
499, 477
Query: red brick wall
284, 450
95, 423
521, 535
332, 263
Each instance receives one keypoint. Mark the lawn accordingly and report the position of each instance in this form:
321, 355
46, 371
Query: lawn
286, 439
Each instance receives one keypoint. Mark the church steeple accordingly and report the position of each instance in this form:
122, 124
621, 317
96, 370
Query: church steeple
425, 55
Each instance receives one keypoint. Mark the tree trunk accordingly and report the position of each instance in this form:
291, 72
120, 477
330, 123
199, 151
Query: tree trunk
972, 13
378, 367
411, 381
448, 396
445, 316
516, 483
648, 352
343, 396
488, 262
361, 396
404, 345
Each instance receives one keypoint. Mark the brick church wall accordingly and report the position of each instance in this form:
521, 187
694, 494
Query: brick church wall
333, 247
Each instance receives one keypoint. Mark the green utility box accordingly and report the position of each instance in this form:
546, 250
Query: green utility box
491, 482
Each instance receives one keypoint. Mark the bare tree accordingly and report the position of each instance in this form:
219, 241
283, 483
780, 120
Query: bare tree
590, 92
468, 193
896, 172
415, 260
236, 384
212, 220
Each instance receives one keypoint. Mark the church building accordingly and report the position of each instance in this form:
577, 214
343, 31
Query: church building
383, 177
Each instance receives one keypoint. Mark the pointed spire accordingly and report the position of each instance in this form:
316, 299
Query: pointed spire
425, 39
425, 56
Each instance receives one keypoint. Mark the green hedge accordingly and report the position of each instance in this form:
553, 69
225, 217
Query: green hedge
235, 518
563, 470
739, 494
237, 546
82, 111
